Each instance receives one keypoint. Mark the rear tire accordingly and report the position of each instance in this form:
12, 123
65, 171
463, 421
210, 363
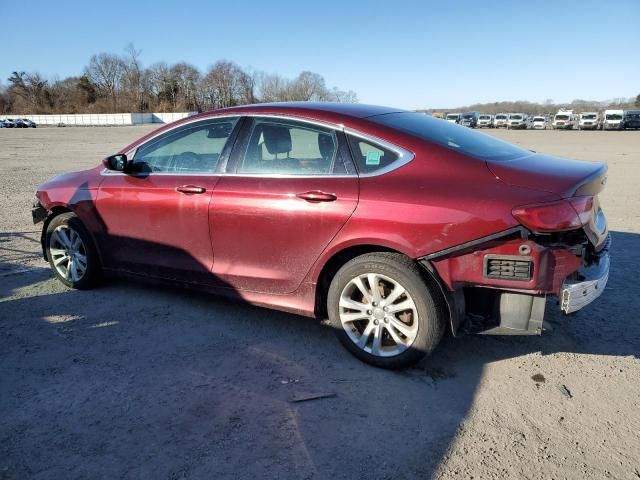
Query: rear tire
393, 325
71, 252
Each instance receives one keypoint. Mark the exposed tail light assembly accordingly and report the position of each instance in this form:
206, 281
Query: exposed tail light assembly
557, 216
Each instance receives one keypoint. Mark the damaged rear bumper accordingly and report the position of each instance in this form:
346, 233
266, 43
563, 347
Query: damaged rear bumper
576, 294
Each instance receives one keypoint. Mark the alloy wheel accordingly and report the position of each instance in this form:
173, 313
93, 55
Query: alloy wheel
68, 253
378, 315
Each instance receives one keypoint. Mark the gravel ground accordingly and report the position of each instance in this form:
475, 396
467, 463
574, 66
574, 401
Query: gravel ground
135, 381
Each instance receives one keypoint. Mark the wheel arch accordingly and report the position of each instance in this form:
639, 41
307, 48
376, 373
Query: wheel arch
53, 213
339, 258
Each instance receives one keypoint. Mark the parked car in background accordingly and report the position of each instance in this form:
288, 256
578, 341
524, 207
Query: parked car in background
359, 224
454, 117
18, 123
631, 119
485, 121
564, 120
439, 115
539, 122
26, 122
517, 121
590, 121
470, 119
501, 120
612, 119
6, 123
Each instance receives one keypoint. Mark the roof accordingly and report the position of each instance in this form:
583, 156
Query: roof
356, 110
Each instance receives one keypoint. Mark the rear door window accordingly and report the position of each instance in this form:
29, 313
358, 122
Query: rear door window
289, 147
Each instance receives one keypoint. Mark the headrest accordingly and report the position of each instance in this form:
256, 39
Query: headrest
326, 146
277, 139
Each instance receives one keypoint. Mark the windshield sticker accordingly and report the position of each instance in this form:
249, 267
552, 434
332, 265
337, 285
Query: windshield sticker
373, 157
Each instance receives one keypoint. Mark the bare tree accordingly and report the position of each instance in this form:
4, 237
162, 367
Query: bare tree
132, 78
113, 83
106, 71
187, 78
32, 88
226, 85
308, 86
341, 96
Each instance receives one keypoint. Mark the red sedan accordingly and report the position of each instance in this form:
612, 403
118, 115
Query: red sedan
396, 225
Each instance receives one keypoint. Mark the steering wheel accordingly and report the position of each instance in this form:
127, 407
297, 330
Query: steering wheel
186, 159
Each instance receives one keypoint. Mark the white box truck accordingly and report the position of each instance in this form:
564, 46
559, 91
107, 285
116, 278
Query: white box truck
501, 120
589, 121
454, 117
564, 120
612, 119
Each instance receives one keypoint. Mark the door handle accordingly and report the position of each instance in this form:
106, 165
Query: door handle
316, 196
190, 189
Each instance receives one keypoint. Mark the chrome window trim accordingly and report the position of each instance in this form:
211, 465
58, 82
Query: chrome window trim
404, 155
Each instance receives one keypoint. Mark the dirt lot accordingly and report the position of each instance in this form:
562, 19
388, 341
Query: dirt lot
134, 381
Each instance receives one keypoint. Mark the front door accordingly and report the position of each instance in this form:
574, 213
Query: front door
156, 216
287, 195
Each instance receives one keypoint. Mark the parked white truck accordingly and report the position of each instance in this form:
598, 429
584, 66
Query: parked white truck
589, 121
612, 119
518, 121
485, 121
564, 120
501, 120
539, 122
454, 117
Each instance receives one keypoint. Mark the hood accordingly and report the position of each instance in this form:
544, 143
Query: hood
85, 179
556, 175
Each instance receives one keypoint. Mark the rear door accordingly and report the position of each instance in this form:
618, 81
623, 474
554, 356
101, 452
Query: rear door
289, 189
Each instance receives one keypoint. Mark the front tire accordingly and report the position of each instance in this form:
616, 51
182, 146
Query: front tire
384, 312
71, 252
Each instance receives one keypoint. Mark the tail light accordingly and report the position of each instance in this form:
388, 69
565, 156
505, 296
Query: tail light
559, 216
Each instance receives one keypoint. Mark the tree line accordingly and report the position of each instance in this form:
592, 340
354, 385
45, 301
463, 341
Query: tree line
114, 83
548, 106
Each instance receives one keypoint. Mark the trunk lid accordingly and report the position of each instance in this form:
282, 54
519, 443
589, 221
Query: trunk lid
562, 177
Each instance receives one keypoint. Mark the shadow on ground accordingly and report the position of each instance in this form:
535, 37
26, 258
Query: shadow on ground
134, 381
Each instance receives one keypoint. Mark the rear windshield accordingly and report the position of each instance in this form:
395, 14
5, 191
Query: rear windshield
454, 137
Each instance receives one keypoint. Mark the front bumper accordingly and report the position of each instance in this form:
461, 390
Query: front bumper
576, 294
38, 212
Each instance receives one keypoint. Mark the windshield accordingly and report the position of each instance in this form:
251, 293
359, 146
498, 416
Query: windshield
562, 117
501, 117
452, 117
516, 117
633, 115
589, 116
538, 119
454, 137
484, 117
614, 116
468, 116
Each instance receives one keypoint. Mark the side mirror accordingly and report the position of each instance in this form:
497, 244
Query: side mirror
116, 162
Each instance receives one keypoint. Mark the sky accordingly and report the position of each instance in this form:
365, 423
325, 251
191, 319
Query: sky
406, 54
